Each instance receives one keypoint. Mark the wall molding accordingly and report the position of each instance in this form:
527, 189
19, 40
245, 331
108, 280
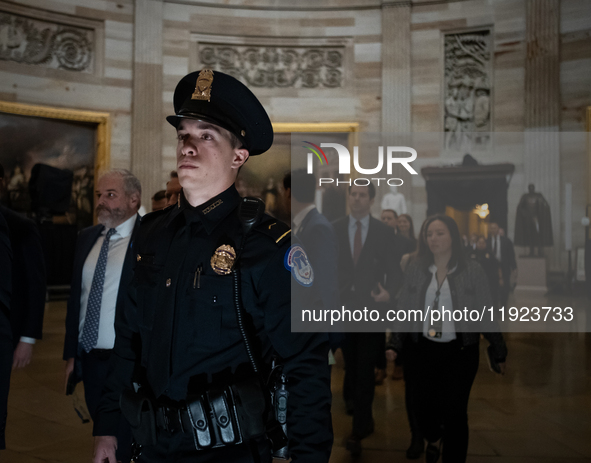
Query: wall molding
33, 37
272, 62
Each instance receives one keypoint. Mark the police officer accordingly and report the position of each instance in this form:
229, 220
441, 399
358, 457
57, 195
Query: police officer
178, 336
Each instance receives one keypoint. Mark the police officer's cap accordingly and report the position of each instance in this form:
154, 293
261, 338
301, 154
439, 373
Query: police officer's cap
219, 98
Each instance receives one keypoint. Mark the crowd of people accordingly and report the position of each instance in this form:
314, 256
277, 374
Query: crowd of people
386, 263
179, 323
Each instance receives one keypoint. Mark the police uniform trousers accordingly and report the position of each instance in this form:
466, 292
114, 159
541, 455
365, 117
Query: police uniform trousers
95, 366
444, 374
180, 448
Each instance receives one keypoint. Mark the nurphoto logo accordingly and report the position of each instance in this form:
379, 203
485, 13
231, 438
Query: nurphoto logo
345, 163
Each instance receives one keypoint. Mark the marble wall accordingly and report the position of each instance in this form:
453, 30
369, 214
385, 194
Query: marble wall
108, 88
382, 66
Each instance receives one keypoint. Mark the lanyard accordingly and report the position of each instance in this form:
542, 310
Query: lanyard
435, 329
438, 292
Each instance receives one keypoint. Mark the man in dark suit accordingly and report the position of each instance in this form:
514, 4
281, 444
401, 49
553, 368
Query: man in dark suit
28, 292
27, 305
318, 237
369, 275
5, 331
502, 248
102, 272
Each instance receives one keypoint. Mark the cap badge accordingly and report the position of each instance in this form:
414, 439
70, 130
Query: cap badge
203, 86
223, 259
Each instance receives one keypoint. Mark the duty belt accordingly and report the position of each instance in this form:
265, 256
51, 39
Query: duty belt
173, 419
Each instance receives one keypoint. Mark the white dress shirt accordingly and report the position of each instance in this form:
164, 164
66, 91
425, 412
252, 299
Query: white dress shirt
117, 249
448, 329
496, 245
353, 228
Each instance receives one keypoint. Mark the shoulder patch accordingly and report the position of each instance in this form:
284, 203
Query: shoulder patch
274, 229
297, 262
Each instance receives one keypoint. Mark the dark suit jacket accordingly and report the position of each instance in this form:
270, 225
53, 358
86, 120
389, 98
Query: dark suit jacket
86, 240
508, 261
6, 266
320, 242
406, 244
5, 331
28, 277
379, 262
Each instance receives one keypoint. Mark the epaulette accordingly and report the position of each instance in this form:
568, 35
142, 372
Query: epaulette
274, 229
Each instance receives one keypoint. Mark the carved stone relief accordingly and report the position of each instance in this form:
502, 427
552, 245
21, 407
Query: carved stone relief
43, 43
467, 90
266, 66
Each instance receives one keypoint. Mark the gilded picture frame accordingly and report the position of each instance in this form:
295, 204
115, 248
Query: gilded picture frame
72, 139
588, 130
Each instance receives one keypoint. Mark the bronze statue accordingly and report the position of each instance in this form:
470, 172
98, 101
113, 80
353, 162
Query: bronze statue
533, 224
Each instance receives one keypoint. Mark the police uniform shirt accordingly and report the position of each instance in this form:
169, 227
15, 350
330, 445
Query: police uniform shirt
117, 249
182, 323
205, 326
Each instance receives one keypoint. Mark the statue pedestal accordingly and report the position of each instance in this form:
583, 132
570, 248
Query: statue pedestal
531, 274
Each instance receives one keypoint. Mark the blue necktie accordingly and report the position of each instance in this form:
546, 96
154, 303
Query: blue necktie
93, 308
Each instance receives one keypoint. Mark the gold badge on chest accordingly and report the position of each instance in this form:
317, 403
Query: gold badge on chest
223, 259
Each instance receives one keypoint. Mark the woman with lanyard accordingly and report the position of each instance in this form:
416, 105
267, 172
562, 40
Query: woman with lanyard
444, 356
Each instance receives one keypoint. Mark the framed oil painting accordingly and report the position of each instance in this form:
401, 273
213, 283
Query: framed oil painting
65, 139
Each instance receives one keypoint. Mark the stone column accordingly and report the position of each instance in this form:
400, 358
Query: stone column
146, 134
542, 110
396, 85
396, 82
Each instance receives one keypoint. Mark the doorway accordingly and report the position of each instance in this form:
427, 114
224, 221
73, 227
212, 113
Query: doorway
474, 195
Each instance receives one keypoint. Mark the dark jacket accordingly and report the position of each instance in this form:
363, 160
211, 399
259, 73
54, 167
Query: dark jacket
179, 322
508, 261
320, 242
6, 266
379, 262
86, 240
28, 277
469, 288
5, 331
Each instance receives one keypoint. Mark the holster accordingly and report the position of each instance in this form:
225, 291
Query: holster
228, 416
138, 409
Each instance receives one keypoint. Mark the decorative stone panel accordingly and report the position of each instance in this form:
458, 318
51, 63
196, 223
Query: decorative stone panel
271, 67
43, 43
468, 89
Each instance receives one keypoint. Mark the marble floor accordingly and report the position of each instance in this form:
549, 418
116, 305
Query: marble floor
539, 412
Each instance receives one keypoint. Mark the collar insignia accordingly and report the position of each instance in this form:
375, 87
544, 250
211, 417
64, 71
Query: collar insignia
211, 207
203, 85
